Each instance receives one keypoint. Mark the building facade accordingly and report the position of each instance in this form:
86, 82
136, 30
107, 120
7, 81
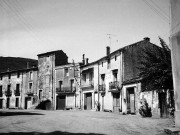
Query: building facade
46, 75
113, 81
18, 89
67, 85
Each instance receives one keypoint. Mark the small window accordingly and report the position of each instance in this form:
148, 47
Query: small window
18, 75
66, 72
115, 58
102, 78
115, 72
30, 86
9, 76
17, 87
102, 64
1, 77
108, 63
60, 85
30, 76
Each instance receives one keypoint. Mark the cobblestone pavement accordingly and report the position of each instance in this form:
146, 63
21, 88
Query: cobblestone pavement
35, 122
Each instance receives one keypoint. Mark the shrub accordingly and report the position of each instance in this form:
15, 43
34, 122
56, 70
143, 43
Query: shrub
145, 110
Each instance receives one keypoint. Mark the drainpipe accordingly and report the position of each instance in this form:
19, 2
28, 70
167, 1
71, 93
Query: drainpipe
122, 73
22, 90
98, 83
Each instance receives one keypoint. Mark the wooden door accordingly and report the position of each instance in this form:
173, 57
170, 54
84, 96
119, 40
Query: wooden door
116, 102
61, 102
89, 101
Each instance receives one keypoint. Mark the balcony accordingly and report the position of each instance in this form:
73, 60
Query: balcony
87, 85
66, 89
30, 93
102, 88
114, 85
8, 93
17, 92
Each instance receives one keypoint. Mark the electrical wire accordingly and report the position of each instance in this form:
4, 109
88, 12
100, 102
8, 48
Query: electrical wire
156, 11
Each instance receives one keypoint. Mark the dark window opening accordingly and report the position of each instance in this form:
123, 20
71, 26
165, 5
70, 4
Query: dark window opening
108, 63
18, 75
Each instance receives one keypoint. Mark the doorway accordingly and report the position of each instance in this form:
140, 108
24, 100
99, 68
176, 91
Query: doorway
61, 102
8, 102
88, 101
116, 102
28, 102
130, 100
17, 102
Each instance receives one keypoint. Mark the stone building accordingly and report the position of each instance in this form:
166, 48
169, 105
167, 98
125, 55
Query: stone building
67, 85
46, 75
18, 89
113, 80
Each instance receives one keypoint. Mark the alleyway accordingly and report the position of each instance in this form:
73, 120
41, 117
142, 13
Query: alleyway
37, 122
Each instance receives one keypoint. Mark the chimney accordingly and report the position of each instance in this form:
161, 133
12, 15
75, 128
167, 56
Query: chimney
83, 60
147, 39
87, 61
107, 50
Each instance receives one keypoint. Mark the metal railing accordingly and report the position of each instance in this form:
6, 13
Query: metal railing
17, 92
66, 89
102, 87
114, 85
8, 92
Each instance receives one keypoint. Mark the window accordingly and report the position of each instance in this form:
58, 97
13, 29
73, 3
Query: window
17, 87
30, 86
66, 72
60, 85
72, 84
1, 77
115, 58
9, 87
102, 78
102, 64
9, 76
84, 77
108, 63
115, 75
1, 93
18, 75
30, 76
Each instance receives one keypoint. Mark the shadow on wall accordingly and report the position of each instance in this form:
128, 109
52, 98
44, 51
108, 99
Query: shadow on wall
44, 105
51, 133
4, 113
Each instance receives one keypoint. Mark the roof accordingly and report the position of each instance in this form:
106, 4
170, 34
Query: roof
51, 52
120, 49
20, 70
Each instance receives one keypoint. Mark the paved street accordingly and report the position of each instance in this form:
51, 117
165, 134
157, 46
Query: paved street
37, 122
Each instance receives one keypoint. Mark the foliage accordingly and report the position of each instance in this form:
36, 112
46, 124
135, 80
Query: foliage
144, 109
155, 69
16, 63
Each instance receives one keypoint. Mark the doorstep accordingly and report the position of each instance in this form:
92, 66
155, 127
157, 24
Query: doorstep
172, 130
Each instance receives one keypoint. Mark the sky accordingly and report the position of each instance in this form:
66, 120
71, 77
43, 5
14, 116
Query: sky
31, 27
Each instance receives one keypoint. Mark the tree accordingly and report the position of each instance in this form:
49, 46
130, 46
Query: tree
155, 69
156, 75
